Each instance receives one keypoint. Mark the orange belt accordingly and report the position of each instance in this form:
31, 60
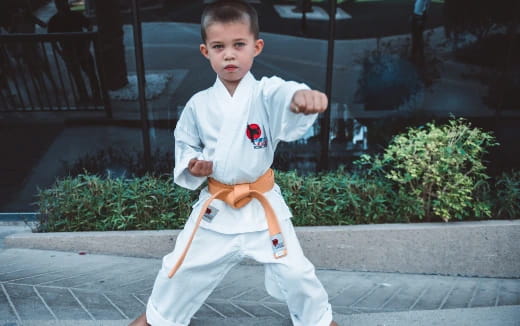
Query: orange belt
238, 196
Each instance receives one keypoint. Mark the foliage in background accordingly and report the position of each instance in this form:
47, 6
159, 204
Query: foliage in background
506, 195
441, 167
428, 173
336, 198
89, 202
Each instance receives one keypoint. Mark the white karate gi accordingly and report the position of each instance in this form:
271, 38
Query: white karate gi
239, 135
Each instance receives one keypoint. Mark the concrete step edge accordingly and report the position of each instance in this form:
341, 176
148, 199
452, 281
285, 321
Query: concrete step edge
491, 249
246, 321
503, 315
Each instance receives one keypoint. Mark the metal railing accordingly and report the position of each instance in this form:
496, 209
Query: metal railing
52, 72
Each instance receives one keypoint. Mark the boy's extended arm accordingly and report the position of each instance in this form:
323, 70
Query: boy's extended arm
285, 100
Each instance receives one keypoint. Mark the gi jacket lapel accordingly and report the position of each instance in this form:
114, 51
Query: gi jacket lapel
235, 112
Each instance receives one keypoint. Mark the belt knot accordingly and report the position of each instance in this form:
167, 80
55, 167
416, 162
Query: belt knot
238, 196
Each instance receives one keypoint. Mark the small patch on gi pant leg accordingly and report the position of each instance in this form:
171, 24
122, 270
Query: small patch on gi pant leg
278, 245
210, 213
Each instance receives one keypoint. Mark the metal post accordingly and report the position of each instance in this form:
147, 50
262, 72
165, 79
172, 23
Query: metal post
325, 120
102, 77
138, 42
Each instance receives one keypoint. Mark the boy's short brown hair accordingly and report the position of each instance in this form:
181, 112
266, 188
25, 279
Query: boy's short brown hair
228, 11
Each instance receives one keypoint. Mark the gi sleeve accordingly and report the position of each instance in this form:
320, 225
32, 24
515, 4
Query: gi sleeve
187, 146
284, 124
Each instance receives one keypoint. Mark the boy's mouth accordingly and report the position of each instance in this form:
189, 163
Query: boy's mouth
230, 68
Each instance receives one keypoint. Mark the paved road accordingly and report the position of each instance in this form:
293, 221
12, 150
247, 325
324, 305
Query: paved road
58, 286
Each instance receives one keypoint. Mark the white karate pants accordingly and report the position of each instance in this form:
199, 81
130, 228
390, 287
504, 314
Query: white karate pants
174, 301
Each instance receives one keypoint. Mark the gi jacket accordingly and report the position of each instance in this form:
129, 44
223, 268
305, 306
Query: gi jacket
239, 134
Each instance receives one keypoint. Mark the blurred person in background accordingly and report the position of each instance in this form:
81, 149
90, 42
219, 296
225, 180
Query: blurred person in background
75, 53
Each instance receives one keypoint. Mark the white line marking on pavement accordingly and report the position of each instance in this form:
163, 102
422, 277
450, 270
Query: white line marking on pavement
115, 306
137, 298
11, 303
419, 298
241, 294
367, 294
345, 288
44, 303
242, 309
273, 310
63, 278
446, 297
473, 295
215, 310
81, 304
497, 299
31, 276
18, 270
145, 290
396, 292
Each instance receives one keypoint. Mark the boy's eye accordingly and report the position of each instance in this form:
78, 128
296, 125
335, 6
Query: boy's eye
217, 46
240, 44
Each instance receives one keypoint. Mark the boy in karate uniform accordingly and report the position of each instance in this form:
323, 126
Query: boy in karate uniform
228, 134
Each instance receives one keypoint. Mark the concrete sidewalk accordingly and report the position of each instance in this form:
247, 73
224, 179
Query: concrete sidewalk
39, 287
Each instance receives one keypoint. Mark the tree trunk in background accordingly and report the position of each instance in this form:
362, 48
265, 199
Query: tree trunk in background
110, 26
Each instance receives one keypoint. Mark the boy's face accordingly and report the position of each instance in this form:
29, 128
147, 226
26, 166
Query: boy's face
231, 48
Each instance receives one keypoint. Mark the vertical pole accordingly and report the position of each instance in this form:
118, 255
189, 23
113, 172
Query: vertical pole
100, 69
325, 120
138, 42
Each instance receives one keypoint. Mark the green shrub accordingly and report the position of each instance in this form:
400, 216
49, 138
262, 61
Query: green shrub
401, 205
506, 197
428, 173
88, 202
441, 167
336, 198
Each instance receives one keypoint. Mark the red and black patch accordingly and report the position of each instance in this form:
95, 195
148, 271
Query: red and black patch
253, 131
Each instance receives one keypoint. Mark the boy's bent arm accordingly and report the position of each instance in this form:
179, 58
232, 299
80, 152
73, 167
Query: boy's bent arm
184, 154
285, 124
188, 146
200, 168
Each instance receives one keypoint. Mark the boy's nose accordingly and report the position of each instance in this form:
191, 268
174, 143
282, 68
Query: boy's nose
229, 55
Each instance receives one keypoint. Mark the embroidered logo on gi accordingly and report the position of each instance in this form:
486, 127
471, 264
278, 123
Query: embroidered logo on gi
210, 213
254, 133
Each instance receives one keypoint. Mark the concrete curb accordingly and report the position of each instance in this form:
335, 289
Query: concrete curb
484, 248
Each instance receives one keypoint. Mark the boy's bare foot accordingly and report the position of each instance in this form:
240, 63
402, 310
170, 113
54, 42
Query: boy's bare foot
140, 321
333, 323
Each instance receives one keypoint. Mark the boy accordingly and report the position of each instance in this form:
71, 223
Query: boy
228, 134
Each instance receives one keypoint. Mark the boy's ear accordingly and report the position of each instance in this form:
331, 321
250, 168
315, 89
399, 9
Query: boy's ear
204, 50
259, 46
